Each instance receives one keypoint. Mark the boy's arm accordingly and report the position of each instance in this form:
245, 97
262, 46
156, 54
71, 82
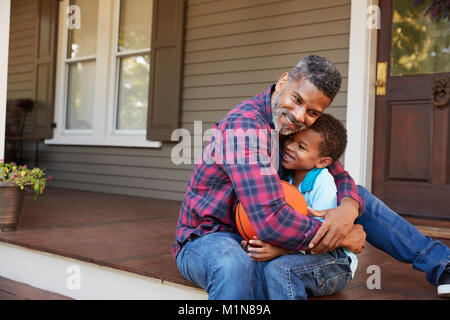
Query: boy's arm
355, 241
338, 222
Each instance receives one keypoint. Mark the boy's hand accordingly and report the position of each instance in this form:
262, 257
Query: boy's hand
337, 224
244, 245
355, 240
262, 251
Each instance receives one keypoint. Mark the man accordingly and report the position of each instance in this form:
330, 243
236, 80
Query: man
207, 249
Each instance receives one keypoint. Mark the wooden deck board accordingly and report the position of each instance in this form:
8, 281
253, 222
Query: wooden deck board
12, 290
136, 235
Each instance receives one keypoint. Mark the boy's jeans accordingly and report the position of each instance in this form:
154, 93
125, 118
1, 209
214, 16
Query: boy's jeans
299, 276
217, 263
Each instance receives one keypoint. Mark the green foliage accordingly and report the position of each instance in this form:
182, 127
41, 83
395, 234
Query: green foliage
437, 9
24, 177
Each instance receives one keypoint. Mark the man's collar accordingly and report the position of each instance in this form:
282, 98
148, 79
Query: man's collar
267, 105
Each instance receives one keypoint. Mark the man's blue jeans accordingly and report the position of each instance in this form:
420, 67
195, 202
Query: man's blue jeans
217, 263
392, 234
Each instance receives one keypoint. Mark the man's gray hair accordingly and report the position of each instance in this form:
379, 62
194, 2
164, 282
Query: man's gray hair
321, 72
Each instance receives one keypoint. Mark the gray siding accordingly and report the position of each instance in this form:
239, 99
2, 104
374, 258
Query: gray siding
234, 49
22, 53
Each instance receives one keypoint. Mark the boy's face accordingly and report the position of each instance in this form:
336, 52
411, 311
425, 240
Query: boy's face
302, 151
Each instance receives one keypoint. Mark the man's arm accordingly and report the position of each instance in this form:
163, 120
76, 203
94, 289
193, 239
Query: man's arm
261, 194
338, 222
346, 187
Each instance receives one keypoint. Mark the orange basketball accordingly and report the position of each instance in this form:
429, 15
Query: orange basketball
294, 199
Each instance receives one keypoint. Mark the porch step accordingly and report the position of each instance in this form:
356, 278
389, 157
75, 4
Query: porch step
82, 280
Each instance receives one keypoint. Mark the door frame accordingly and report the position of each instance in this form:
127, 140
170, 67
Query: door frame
361, 90
5, 15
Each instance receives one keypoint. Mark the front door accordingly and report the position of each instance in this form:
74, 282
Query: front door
411, 171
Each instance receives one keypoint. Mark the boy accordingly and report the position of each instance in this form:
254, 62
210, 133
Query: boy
308, 153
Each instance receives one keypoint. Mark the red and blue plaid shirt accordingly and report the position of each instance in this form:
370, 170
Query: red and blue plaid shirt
214, 189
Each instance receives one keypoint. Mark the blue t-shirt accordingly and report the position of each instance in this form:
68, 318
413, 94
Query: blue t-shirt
320, 193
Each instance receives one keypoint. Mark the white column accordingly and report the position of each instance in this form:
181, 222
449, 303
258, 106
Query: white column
5, 12
361, 90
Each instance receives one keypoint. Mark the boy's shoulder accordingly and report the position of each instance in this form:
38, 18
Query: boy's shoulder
322, 194
317, 178
325, 178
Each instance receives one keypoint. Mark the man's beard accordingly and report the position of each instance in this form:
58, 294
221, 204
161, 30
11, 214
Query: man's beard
278, 112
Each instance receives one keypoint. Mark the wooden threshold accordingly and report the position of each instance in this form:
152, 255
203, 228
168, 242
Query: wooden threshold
431, 227
434, 232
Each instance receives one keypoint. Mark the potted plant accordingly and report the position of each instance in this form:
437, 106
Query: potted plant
14, 181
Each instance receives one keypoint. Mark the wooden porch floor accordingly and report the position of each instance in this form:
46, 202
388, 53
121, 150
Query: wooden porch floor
136, 235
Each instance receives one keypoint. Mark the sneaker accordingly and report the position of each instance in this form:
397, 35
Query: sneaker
444, 283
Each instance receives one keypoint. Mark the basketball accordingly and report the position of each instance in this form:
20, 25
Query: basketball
294, 199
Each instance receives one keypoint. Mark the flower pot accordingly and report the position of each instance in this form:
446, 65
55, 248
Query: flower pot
11, 200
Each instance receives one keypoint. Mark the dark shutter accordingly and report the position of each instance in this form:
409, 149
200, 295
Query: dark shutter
47, 24
166, 66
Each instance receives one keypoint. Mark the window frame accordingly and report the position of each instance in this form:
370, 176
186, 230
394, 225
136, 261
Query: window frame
106, 85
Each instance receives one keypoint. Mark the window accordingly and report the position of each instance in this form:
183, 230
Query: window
103, 72
133, 64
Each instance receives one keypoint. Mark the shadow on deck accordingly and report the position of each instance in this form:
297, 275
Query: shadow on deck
136, 235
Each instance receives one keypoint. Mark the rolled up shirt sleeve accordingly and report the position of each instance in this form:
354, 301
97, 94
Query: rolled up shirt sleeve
345, 185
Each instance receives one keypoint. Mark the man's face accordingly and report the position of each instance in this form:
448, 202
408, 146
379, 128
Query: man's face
296, 105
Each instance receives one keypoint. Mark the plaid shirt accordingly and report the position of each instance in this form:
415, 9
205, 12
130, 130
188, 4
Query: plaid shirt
215, 187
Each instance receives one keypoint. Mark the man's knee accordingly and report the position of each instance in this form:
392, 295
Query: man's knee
237, 265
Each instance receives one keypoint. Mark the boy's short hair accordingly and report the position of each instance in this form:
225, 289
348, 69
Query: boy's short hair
334, 136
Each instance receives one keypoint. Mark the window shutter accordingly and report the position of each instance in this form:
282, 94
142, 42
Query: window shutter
47, 24
166, 66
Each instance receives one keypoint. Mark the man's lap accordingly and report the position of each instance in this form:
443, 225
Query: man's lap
219, 255
199, 258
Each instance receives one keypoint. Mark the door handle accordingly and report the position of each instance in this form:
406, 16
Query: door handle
440, 95
380, 83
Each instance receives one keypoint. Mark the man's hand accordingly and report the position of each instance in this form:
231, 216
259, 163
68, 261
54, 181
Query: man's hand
337, 224
356, 240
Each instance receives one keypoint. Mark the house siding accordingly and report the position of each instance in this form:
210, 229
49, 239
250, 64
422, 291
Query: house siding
234, 49
22, 53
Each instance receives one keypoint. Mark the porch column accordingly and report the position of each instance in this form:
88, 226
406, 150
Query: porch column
5, 12
361, 90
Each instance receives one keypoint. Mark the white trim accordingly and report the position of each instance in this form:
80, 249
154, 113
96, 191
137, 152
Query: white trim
81, 59
5, 15
103, 133
116, 141
131, 53
54, 273
361, 94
